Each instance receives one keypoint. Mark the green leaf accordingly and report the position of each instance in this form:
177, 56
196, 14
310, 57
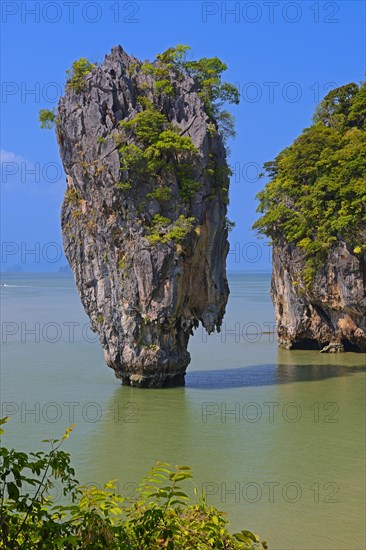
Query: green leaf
13, 490
180, 494
215, 520
176, 501
250, 535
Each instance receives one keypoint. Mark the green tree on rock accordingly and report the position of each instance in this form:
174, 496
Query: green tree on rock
317, 192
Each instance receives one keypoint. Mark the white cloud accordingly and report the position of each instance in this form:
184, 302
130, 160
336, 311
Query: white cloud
20, 174
9, 156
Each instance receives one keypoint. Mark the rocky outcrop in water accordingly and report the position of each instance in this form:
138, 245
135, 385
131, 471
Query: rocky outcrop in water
313, 209
329, 314
149, 266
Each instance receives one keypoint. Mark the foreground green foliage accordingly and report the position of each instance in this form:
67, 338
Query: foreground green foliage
159, 517
317, 192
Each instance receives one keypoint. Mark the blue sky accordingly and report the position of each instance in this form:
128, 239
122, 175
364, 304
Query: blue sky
284, 56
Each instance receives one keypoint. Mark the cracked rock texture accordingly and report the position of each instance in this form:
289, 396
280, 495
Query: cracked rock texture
143, 300
331, 310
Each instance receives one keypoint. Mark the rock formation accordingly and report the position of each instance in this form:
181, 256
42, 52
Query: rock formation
314, 210
148, 267
331, 311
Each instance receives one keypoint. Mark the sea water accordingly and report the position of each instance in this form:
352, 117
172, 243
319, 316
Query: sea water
275, 438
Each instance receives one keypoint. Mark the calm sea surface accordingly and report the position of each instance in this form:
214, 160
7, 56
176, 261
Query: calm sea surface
275, 438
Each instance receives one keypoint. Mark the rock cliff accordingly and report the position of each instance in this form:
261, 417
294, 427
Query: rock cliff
314, 210
147, 243
332, 310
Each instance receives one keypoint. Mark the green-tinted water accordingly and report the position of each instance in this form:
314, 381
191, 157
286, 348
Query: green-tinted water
276, 438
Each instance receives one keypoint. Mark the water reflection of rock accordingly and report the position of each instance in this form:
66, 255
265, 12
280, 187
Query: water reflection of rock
291, 366
145, 426
142, 427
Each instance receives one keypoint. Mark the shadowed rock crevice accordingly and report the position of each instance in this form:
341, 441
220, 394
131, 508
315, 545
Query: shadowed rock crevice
144, 297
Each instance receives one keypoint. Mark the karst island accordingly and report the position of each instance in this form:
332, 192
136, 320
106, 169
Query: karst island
314, 211
144, 216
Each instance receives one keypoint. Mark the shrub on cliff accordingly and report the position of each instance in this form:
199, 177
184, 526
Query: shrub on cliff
159, 517
160, 151
47, 118
79, 70
317, 192
207, 74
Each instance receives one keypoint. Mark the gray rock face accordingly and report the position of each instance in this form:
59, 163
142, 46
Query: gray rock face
331, 313
143, 299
